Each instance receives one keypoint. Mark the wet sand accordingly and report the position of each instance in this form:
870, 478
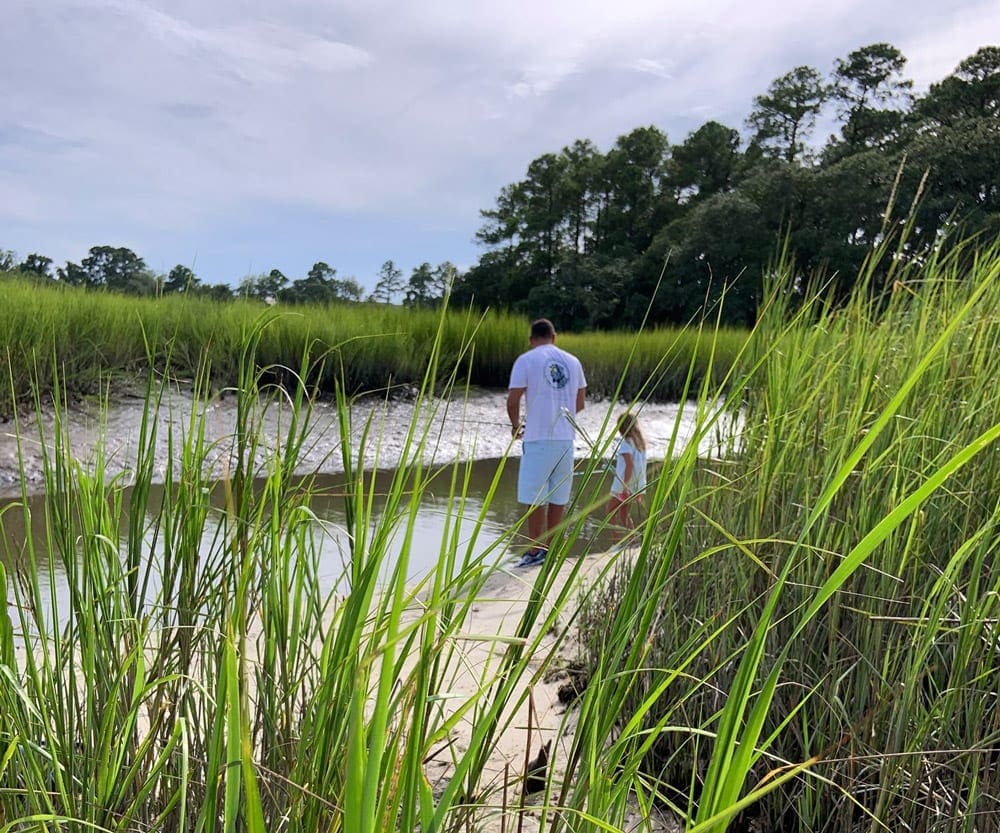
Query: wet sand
537, 715
459, 429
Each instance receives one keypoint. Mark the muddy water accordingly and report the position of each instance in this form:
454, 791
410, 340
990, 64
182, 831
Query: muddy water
331, 538
474, 428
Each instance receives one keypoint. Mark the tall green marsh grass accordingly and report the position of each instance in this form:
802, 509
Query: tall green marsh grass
823, 650
802, 636
87, 337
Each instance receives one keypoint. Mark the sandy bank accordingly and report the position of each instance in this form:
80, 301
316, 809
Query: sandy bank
537, 715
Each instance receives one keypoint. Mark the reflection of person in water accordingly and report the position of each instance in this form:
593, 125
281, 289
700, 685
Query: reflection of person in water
552, 384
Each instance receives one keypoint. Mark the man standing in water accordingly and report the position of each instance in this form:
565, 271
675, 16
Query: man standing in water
552, 383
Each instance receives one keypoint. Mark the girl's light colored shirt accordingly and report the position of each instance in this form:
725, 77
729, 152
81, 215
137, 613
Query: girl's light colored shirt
638, 481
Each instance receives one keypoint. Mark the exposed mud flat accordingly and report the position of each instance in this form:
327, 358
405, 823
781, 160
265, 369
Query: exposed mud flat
475, 427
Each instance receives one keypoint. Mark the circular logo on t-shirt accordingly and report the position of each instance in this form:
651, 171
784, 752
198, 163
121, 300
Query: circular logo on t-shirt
557, 375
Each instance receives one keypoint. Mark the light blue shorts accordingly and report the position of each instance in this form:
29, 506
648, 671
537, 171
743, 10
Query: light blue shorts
546, 472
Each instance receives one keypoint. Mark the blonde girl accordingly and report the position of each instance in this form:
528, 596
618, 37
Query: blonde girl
630, 474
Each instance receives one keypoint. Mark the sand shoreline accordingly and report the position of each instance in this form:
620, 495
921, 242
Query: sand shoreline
537, 716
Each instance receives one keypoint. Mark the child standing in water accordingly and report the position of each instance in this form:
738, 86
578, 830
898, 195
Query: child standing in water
630, 475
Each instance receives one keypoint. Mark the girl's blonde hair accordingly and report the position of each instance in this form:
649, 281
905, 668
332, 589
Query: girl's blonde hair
628, 427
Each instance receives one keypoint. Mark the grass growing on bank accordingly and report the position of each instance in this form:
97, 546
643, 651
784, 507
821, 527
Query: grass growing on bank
85, 337
818, 648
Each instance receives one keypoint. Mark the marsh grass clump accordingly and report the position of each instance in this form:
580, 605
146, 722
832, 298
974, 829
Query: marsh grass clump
662, 364
86, 338
824, 650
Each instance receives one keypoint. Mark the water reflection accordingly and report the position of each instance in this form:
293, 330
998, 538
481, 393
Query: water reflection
425, 534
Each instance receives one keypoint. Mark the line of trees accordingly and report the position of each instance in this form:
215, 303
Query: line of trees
119, 269
594, 239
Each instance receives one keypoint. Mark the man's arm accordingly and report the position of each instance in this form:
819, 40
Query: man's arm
514, 410
581, 396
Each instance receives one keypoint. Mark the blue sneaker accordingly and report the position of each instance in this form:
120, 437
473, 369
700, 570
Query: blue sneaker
532, 558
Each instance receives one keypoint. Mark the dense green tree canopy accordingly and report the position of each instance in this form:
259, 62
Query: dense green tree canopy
706, 163
37, 264
783, 117
659, 232
871, 95
321, 286
427, 286
263, 287
180, 279
111, 267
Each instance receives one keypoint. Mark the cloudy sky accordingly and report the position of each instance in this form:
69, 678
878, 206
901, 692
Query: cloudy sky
237, 136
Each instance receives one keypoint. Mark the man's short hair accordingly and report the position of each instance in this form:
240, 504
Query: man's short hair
542, 328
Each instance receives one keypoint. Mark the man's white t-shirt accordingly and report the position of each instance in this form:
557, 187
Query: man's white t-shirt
551, 378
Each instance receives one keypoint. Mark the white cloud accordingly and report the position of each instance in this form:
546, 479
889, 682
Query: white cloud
257, 51
542, 79
652, 66
934, 52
